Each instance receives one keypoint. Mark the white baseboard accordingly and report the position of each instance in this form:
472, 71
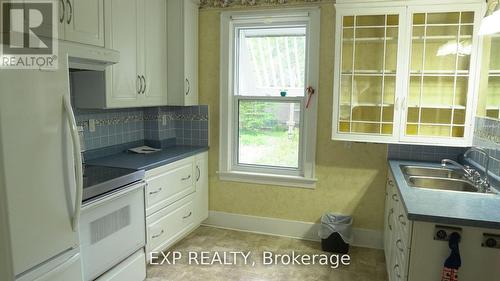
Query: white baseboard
295, 229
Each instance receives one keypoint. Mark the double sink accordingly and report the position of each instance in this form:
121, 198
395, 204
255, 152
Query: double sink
438, 179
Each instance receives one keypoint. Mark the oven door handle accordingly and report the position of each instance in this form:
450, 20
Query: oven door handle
77, 157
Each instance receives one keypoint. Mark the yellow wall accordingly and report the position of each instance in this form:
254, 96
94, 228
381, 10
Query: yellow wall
350, 180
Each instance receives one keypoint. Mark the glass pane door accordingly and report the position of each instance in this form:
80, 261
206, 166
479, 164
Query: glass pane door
493, 95
441, 47
368, 74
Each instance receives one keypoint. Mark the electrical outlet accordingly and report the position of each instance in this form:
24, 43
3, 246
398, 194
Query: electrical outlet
491, 241
164, 120
442, 233
91, 125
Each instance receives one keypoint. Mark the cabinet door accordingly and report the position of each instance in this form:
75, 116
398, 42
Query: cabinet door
190, 53
155, 52
388, 218
123, 82
85, 22
442, 52
493, 71
201, 174
366, 74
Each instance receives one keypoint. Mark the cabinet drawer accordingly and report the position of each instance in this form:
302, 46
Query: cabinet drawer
170, 223
174, 183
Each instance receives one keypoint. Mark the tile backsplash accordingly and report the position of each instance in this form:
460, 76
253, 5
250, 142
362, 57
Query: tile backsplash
154, 125
487, 136
423, 152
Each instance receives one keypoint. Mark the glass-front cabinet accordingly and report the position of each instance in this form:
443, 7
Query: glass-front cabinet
405, 74
493, 90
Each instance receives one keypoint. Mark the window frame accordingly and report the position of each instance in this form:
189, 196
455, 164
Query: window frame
229, 168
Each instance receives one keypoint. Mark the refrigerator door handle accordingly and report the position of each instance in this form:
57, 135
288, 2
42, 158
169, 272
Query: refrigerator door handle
78, 161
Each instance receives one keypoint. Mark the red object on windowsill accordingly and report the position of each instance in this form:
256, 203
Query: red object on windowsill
310, 93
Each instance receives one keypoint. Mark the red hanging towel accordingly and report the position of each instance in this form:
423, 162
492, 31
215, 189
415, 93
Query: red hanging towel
453, 262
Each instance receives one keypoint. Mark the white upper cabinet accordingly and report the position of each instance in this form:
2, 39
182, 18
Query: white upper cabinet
138, 30
154, 50
124, 82
182, 52
82, 21
406, 74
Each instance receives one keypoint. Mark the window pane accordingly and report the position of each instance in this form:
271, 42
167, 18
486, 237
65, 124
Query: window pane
269, 133
271, 61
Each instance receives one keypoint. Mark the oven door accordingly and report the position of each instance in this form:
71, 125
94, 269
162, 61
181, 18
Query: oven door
112, 228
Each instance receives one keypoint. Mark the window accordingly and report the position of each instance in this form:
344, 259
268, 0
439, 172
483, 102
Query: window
268, 124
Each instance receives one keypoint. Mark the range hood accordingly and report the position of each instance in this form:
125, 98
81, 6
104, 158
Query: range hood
82, 56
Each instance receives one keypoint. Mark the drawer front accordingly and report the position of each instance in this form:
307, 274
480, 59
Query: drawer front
165, 188
165, 226
131, 269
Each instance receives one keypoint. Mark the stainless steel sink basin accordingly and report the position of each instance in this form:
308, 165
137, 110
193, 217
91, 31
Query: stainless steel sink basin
441, 183
432, 172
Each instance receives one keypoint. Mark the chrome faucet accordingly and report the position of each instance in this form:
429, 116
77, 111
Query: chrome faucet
483, 184
468, 171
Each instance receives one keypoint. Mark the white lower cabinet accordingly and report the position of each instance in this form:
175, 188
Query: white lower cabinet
167, 225
414, 254
168, 184
176, 201
396, 234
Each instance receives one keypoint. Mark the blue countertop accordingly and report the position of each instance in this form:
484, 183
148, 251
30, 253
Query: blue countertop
150, 161
446, 207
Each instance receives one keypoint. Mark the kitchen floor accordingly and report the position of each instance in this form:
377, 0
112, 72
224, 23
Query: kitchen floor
366, 264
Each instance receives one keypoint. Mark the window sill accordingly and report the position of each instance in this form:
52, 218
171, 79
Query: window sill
258, 178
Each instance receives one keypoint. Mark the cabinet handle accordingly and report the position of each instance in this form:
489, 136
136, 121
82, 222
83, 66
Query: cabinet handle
139, 83
396, 270
61, 19
399, 245
185, 217
199, 173
144, 79
395, 197
188, 87
186, 178
158, 235
156, 191
391, 211
70, 9
400, 218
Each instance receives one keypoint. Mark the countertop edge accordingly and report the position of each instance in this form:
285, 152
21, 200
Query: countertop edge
416, 216
109, 160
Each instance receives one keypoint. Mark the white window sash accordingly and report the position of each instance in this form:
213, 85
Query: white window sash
229, 169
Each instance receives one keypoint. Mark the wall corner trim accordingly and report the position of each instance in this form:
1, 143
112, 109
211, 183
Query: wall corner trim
366, 238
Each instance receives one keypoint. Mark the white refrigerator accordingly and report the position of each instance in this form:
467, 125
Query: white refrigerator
40, 177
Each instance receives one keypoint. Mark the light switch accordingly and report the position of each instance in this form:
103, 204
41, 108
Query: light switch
92, 125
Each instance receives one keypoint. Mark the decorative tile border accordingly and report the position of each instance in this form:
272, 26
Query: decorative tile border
249, 3
170, 116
